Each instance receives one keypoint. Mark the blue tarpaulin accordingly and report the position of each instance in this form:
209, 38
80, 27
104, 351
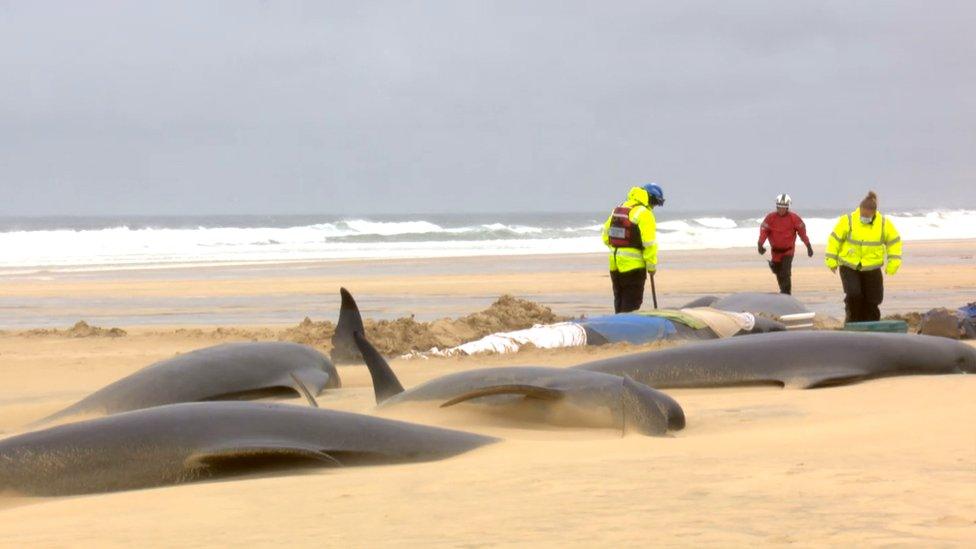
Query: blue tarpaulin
631, 328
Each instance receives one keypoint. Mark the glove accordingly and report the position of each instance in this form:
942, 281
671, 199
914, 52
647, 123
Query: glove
650, 273
891, 270
809, 250
762, 249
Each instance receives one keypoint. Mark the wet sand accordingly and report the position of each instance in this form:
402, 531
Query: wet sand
935, 274
888, 461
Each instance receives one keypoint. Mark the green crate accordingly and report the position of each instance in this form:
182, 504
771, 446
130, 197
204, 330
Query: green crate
892, 326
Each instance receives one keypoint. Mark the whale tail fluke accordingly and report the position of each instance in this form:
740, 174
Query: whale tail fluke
385, 382
344, 347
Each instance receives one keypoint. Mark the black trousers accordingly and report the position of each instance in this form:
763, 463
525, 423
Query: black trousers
628, 290
783, 271
864, 291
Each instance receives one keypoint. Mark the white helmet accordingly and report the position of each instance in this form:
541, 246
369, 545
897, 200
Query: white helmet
783, 201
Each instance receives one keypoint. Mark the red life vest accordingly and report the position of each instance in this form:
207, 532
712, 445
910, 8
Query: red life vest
623, 232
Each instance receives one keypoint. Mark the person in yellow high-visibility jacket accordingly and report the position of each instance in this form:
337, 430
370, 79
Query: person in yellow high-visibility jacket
631, 234
858, 246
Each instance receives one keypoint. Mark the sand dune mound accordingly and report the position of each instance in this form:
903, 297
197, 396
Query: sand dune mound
221, 334
309, 332
406, 334
83, 329
509, 313
80, 329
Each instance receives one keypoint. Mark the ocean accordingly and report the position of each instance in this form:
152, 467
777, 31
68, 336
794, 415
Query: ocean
57, 244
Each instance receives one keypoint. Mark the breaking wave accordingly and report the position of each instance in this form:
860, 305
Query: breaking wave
58, 244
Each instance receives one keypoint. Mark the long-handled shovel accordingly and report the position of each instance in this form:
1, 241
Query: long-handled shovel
653, 291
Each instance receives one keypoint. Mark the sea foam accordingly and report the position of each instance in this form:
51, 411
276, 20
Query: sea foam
129, 245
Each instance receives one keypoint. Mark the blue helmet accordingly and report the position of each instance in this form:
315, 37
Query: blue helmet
654, 193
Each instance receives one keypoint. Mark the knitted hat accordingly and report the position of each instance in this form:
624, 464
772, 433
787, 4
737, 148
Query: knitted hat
870, 201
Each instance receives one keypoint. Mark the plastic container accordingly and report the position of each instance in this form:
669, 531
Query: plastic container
891, 326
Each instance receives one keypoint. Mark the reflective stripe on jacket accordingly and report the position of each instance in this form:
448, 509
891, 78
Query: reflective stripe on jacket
626, 259
863, 247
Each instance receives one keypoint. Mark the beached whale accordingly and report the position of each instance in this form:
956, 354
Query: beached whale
770, 305
792, 359
181, 443
556, 396
232, 371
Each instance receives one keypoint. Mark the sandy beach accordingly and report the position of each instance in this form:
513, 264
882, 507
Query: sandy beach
889, 461
936, 273
192, 185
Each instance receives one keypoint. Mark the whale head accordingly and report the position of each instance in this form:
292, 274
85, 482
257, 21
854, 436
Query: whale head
967, 359
648, 411
329, 368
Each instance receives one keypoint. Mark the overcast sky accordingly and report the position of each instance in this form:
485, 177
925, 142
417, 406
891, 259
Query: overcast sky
358, 107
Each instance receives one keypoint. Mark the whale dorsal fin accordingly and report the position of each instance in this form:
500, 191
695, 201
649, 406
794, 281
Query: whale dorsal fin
529, 391
350, 321
385, 382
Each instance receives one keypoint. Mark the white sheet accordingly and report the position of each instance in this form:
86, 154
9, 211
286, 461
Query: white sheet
723, 323
548, 336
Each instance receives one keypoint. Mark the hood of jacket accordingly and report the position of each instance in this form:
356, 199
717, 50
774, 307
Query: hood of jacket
639, 195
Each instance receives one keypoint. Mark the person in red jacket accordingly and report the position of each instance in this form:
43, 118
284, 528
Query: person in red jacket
781, 228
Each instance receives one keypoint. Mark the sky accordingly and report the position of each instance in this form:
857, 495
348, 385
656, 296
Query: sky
453, 106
